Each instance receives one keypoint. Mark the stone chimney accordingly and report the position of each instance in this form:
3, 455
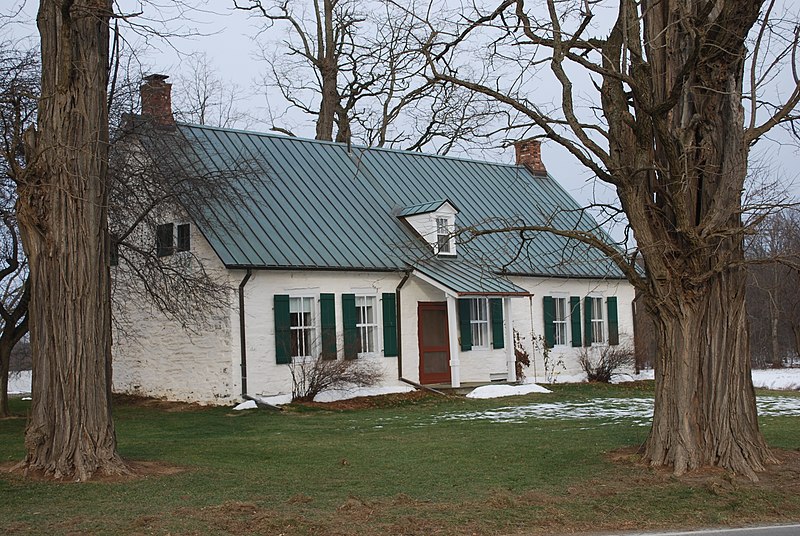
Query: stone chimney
529, 154
156, 96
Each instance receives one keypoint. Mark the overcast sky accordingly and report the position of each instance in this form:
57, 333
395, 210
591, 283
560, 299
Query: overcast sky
226, 36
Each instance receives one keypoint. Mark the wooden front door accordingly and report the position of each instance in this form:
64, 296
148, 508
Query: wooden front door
434, 346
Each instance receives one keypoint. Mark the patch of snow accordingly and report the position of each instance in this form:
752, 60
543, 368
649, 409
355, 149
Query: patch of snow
778, 406
631, 377
275, 400
19, 382
779, 379
247, 404
498, 391
612, 409
343, 394
638, 411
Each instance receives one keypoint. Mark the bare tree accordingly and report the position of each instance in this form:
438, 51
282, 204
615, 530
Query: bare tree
18, 94
666, 127
772, 309
357, 69
205, 99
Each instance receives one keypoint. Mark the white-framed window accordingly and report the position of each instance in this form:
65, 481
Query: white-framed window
598, 321
560, 320
367, 323
302, 326
443, 237
479, 322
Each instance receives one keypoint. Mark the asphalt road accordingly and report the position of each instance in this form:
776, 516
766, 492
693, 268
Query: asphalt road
779, 530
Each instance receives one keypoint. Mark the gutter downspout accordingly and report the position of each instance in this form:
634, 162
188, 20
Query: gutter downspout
243, 343
399, 322
242, 334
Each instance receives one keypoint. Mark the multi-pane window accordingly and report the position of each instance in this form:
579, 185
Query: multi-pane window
301, 325
442, 235
479, 322
366, 323
598, 321
165, 239
560, 321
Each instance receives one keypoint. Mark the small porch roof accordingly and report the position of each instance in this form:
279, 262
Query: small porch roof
462, 279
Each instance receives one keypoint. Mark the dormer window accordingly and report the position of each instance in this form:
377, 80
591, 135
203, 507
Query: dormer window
443, 236
435, 222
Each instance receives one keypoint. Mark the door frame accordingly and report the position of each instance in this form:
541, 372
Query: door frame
444, 377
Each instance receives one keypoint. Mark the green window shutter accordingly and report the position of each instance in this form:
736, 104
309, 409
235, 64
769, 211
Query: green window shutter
587, 321
283, 335
496, 312
327, 313
389, 324
464, 325
575, 319
351, 346
613, 321
549, 307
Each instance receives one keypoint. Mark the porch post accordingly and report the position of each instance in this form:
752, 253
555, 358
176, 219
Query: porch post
511, 358
452, 329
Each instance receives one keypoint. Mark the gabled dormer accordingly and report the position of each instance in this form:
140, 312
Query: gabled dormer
435, 222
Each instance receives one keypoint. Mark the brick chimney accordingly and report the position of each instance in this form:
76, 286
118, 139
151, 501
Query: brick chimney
529, 154
156, 96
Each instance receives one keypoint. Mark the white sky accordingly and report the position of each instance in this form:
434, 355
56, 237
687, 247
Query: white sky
226, 36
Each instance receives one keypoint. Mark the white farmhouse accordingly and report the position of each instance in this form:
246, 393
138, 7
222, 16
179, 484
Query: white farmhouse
360, 253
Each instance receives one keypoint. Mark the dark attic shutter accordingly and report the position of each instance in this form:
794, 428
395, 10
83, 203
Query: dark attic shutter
587, 321
164, 234
496, 312
351, 346
327, 310
464, 325
389, 324
575, 319
184, 235
549, 308
613, 321
282, 332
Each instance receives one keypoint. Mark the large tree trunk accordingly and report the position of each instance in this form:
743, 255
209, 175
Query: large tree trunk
62, 215
682, 172
705, 412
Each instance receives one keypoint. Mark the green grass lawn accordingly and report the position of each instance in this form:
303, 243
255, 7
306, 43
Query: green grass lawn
398, 469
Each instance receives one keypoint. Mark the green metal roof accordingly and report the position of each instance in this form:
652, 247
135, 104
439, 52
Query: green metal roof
306, 204
466, 279
424, 208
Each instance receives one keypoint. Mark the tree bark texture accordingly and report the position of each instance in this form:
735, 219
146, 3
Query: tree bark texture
62, 212
328, 66
680, 161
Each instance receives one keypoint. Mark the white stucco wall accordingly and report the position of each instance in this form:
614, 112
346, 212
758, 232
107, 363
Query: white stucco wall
525, 309
264, 376
153, 356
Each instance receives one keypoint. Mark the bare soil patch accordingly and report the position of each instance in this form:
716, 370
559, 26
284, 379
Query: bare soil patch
138, 470
783, 475
157, 403
371, 402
